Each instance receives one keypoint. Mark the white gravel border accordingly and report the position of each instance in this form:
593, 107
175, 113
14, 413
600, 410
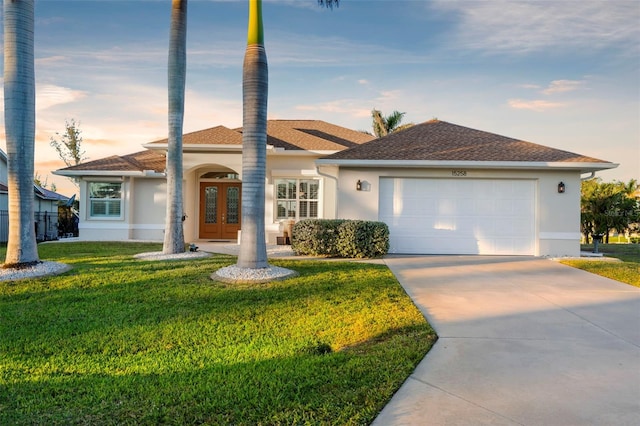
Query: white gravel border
235, 274
41, 269
158, 255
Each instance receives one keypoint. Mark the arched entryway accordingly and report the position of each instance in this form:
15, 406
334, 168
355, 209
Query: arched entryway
220, 196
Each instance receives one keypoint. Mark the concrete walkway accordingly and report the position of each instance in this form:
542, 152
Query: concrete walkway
523, 341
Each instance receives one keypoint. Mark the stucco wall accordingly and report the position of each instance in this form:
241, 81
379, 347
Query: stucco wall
557, 215
147, 208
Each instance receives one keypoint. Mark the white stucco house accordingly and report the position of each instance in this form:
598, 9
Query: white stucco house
441, 188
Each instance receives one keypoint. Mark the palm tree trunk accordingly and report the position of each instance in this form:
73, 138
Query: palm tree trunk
253, 250
174, 233
19, 119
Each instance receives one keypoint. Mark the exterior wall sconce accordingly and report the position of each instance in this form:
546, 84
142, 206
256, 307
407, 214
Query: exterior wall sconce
561, 188
359, 185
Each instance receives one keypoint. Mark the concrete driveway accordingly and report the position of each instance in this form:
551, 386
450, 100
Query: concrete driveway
523, 341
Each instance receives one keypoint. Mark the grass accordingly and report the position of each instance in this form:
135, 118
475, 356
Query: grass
121, 341
627, 271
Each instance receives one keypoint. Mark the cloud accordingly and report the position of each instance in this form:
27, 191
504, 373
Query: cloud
341, 106
389, 95
51, 60
530, 86
535, 26
560, 86
49, 95
537, 105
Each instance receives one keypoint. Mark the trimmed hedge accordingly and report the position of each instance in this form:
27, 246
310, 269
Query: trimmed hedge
340, 238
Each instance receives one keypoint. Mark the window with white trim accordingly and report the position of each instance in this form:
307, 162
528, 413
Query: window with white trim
297, 198
105, 199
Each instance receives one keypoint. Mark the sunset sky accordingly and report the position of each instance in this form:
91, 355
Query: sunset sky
565, 74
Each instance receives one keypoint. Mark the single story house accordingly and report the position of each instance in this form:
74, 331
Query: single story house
45, 207
441, 188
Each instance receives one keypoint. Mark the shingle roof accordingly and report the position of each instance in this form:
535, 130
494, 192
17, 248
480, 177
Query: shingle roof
441, 141
312, 135
218, 135
47, 194
138, 161
308, 135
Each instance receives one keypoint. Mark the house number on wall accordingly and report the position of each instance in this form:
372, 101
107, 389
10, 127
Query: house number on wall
458, 172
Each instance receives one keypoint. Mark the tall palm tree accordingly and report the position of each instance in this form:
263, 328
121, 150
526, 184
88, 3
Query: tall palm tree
174, 233
19, 119
255, 87
382, 126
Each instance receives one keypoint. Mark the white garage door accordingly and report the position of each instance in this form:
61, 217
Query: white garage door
459, 216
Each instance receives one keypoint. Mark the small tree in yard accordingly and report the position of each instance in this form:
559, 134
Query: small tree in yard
37, 179
68, 145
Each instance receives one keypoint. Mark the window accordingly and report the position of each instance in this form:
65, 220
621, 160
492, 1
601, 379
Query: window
105, 199
297, 198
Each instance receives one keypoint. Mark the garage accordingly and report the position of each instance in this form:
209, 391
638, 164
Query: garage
459, 215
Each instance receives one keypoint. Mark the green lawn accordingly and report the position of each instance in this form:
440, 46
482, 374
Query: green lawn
627, 271
122, 341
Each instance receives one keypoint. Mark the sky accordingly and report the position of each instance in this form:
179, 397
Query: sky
564, 74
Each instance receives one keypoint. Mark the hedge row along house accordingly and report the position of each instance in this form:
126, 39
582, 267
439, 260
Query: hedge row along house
440, 187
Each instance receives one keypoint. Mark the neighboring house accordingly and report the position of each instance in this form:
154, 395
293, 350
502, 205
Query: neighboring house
45, 207
441, 188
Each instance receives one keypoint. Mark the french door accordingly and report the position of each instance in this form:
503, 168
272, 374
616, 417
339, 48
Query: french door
219, 210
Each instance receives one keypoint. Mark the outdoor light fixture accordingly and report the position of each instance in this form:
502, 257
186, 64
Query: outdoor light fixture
359, 185
561, 188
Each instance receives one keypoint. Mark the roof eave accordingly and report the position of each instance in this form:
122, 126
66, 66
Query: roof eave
528, 165
109, 173
301, 152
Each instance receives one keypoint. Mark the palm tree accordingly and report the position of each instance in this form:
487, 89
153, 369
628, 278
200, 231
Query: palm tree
255, 87
382, 126
19, 119
174, 233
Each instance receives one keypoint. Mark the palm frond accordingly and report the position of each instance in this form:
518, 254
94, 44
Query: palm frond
379, 123
393, 120
329, 3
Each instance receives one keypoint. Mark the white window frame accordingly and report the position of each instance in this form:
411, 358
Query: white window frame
111, 200
297, 200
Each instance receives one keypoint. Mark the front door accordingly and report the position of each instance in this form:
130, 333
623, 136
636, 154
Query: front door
219, 210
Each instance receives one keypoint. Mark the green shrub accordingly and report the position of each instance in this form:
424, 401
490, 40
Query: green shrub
316, 237
340, 238
635, 240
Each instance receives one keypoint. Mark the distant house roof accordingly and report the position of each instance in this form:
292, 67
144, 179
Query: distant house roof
440, 141
38, 191
45, 194
291, 135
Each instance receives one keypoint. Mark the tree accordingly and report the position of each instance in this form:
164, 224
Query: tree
174, 233
19, 119
382, 126
608, 206
68, 145
37, 179
255, 88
